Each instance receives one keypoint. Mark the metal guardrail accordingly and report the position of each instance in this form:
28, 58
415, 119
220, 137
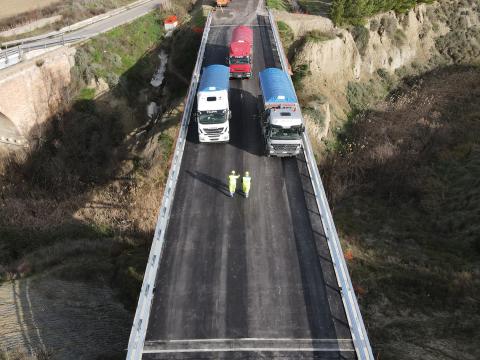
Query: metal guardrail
357, 327
142, 314
15, 55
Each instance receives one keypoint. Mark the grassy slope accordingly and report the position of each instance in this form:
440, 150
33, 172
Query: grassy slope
71, 12
89, 194
404, 185
278, 4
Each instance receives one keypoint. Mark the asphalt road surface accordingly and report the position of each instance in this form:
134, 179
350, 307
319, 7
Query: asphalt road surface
245, 278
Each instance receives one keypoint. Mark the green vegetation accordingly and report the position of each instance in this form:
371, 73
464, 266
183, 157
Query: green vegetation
361, 95
403, 182
315, 7
399, 38
71, 11
279, 4
114, 54
460, 46
86, 94
299, 73
355, 11
361, 35
199, 16
286, 34
318, 36
93, 182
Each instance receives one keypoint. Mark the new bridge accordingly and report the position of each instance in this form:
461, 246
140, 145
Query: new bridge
256, 278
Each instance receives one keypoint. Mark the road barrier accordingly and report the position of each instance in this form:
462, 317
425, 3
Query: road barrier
142, 314
357, 327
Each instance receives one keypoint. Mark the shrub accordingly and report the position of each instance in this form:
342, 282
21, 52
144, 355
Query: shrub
374, 25
299, 73
388, 25
279, 4
286, 34
318, 36
460, 46
361, 35
112, 80
355, 11
399, 38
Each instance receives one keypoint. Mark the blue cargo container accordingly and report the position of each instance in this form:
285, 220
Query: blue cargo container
276, 87
214, 78
281, 120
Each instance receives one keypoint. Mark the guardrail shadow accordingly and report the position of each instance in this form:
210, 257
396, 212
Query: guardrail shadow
314, 287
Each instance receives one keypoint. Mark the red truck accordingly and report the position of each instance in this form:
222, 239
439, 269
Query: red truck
240, 58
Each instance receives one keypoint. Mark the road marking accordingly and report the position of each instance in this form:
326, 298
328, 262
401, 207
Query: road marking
248, 344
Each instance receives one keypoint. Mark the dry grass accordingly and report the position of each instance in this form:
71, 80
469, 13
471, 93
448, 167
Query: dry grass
12, 8
403, 181
81, 207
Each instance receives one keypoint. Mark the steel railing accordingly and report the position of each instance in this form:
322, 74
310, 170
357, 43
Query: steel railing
142, 314
357, 327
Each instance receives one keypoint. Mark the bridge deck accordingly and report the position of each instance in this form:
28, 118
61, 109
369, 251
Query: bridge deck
234, 270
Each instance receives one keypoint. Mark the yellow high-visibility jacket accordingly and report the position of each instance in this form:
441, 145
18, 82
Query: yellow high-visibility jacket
232, 182
246, 182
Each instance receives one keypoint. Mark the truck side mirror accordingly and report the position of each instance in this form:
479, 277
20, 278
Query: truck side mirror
229, 115
303, 128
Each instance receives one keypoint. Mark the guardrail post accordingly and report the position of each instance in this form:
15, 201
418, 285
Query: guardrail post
63, 39
6, 56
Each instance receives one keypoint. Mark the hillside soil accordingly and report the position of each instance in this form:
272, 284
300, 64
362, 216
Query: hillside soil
403, 183
12, 8
78, 208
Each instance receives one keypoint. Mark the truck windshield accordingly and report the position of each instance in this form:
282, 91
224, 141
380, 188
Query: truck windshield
212, 117
240, 60
279, 133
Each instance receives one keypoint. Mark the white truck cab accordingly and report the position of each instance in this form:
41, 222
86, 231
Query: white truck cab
213, 111
284, 128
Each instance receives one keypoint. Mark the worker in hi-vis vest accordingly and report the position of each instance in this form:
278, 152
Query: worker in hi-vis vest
246, 181
232, 182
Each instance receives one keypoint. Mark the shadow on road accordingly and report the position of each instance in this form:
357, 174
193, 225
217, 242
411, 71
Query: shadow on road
210, 181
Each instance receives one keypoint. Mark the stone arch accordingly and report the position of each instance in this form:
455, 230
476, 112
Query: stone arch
9, 133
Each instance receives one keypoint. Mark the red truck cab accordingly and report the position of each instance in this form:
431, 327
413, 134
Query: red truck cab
240, 57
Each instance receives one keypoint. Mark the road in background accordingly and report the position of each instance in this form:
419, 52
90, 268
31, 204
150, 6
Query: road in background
245, 277
83, 33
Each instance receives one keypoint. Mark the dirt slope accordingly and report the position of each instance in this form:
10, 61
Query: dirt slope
403, 182
71, 320
14, 7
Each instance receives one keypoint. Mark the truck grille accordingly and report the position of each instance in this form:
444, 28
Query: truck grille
285, 148
213, 132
